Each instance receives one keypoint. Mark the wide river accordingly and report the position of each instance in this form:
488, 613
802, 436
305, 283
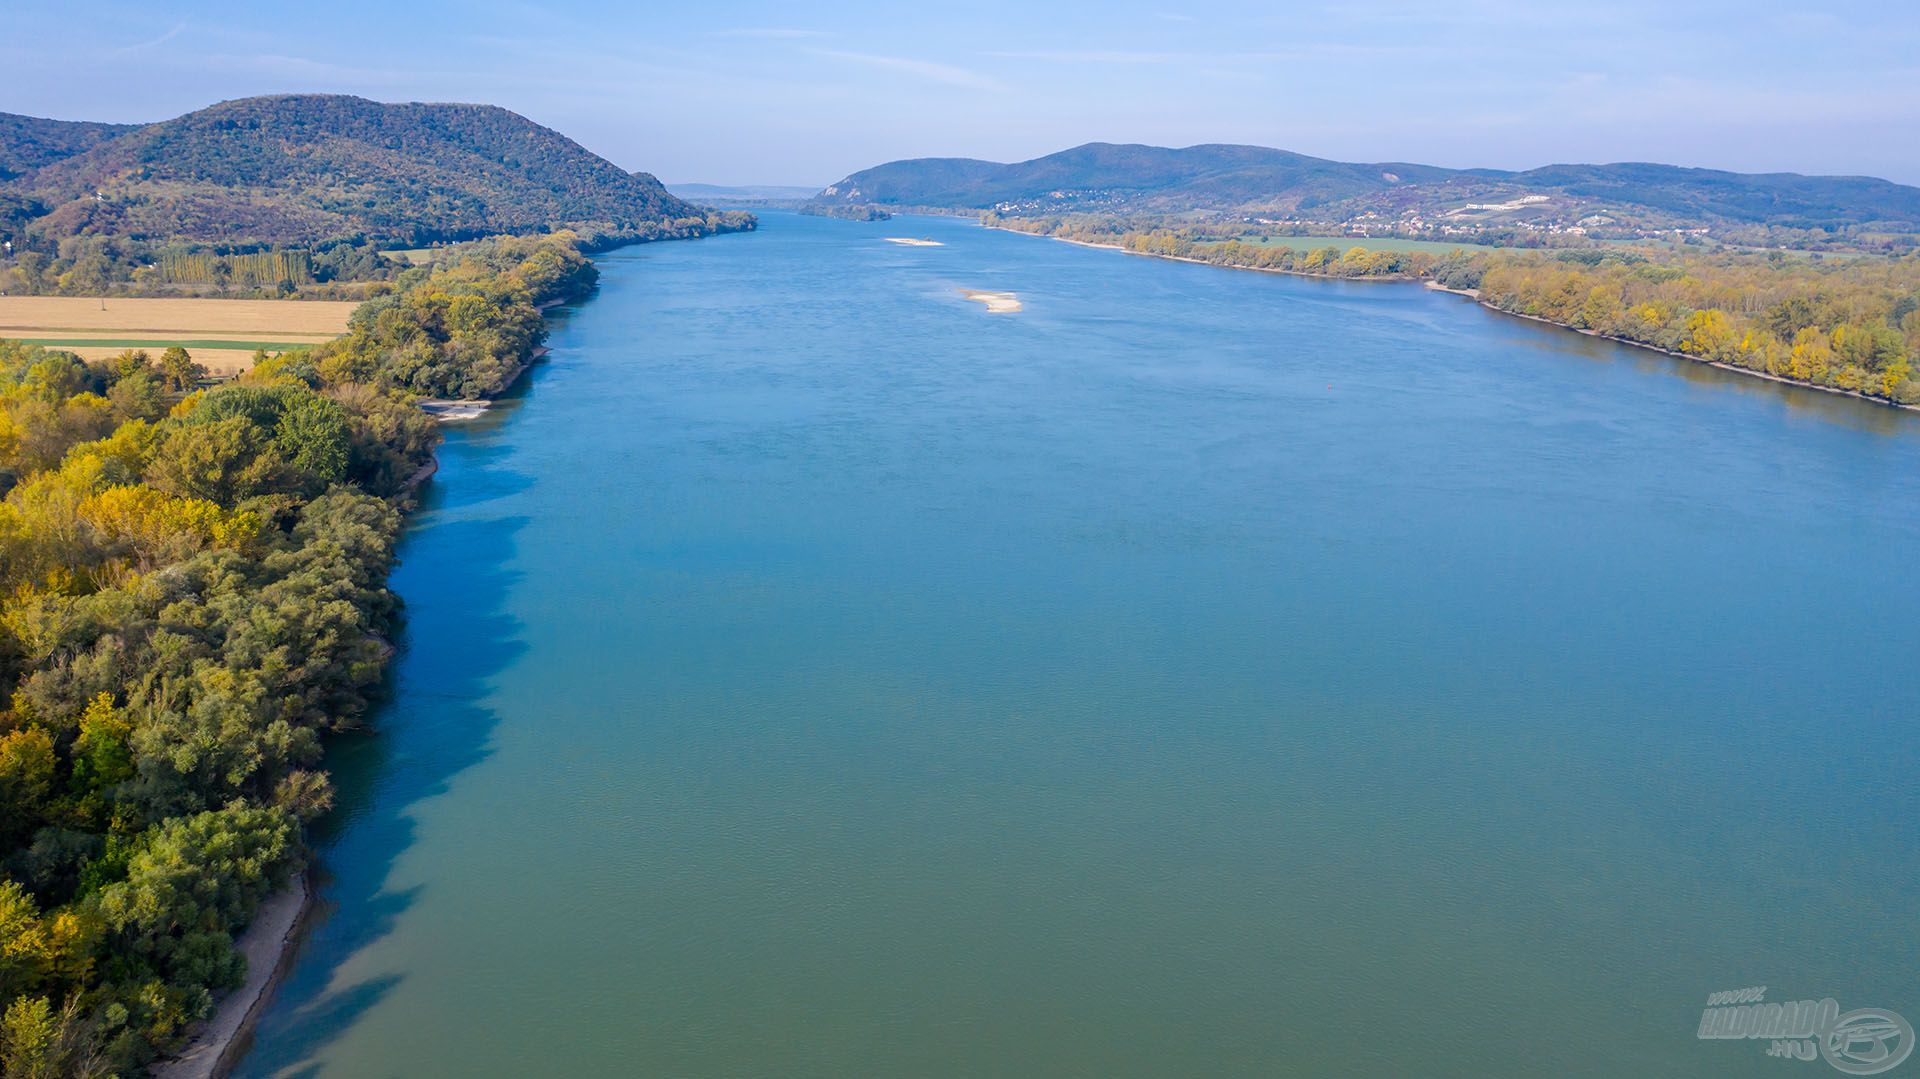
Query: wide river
1197, 672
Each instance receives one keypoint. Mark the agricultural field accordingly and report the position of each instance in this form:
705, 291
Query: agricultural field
1374, 243
221, 334
422, 256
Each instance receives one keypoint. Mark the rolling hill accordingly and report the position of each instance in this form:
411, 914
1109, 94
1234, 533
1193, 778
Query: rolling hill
28, 142
1211, 175
308, 168
1103, 177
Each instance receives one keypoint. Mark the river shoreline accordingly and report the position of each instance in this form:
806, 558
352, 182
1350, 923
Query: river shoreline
1474, 295
269, 945
1400, 279
272, 940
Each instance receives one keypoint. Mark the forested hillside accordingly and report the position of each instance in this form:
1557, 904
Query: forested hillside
304, 169
1278, 186
192, 592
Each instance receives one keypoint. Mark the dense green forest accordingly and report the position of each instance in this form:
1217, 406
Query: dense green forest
192, 593
1849, 324
28, 142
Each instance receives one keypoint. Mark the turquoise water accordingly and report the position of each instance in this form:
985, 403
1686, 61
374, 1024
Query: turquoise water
1197, 672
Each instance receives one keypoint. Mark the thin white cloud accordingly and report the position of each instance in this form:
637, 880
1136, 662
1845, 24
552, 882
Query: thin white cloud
927, 70
1097, 56
771, 33
327, 77
1200, 61
161, 40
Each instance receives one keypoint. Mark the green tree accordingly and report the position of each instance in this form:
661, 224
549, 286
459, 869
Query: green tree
179, 370
29, 1039
137, 395
223, 461
194, 881
26, 779
101, 757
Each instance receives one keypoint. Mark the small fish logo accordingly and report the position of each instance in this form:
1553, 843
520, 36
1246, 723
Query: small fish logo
1868, 1041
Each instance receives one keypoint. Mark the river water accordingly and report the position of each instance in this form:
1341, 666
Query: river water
1196, 672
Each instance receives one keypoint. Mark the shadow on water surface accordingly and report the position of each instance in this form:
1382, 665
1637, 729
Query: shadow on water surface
431, 727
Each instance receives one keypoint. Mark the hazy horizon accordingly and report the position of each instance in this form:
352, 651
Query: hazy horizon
753, 93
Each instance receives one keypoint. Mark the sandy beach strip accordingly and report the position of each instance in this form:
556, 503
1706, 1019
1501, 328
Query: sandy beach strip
997, 303
908, 241
450, 411
268, 945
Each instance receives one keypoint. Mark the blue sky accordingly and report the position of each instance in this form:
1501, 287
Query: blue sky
805, 93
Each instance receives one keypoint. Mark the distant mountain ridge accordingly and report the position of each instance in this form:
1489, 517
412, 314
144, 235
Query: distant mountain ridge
1256, 179
309, 167
1213, 173
740, 192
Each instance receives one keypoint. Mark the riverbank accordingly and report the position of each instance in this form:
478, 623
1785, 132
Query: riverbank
1123, 249
271, 941
268, 946
1474, 295
456, 409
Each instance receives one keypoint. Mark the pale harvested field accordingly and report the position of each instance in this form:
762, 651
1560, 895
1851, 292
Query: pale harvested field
153, 324
319, 319
217, 361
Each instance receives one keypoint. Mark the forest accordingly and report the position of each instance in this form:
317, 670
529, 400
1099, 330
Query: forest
1213, 245
117, 266
332, 270
1850, 324
859, 211
192, 594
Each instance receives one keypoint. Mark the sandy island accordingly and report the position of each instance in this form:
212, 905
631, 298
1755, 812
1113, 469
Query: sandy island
998, 303
910, 242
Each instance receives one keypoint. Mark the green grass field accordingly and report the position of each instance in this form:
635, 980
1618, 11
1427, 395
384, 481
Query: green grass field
1377, 243
149, 343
